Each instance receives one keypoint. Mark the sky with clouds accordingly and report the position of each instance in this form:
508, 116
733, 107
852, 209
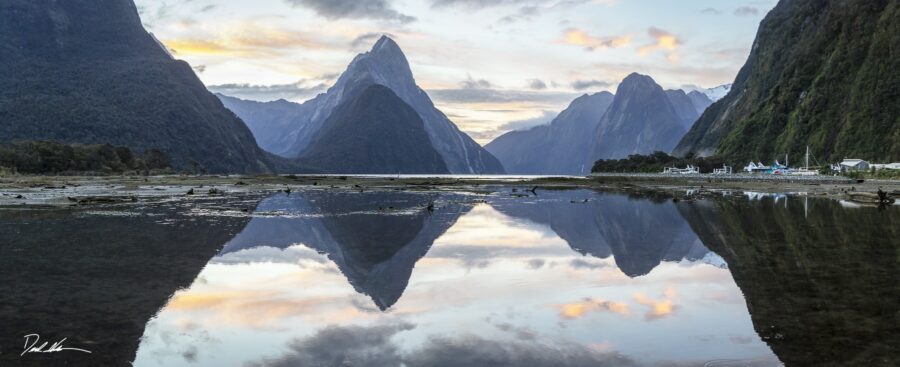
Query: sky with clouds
490, 65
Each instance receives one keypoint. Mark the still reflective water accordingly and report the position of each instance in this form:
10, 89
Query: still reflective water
490, 278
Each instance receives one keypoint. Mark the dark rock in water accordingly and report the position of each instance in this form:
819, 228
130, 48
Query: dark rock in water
821, 74
87, 72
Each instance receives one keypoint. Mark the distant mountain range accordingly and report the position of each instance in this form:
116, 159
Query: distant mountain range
821, 74
640, 119
558, 148
86, 71
714, 94
290, 130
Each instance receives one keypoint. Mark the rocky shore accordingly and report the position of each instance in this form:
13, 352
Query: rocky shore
17, 191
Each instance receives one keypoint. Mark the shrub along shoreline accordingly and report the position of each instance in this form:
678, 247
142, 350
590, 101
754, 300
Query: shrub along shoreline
54, 158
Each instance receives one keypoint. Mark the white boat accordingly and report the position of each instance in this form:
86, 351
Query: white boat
805, 171
757, 168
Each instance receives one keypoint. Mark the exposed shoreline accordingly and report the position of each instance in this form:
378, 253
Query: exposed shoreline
16, 191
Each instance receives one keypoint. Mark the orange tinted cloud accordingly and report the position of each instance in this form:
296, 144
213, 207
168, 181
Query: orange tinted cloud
663, 41
578, 37
257, 309
246, 39
658, 308
579, 309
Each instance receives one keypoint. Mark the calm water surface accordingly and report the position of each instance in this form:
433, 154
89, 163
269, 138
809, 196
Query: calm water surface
498, 278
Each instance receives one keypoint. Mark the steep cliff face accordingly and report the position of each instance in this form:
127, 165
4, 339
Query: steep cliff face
84, 71
374, 132
641, 120
270, 122
822, 74
290, 129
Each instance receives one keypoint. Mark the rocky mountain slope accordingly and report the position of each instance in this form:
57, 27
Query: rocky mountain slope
384, 65
374, 132
558, 148
84, 71
268, 121
821, 74
642, 119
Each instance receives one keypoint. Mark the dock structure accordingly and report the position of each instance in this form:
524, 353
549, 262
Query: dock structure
689, 170
725, 170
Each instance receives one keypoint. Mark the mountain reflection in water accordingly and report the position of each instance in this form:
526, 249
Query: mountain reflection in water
480, 280
556, 278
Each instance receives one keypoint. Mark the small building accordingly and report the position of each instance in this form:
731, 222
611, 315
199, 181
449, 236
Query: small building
854, 165
895, 166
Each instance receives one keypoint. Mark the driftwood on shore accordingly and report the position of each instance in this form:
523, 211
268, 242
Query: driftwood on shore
879, 197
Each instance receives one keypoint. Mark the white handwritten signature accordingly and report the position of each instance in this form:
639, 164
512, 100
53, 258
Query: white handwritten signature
31, 346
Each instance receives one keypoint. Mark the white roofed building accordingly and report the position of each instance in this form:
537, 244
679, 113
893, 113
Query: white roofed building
854, 165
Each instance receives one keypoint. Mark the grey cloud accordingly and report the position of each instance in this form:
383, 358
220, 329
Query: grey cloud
480, 256
300, 90
712, 11
366, 40
584, 264
291, 255
536, 263
474, 4
484, 135
746, 11
544, 119
475, 84
476, 351
537, 84
354, 9
524, 13
587, 84
521, 333
470, 95
343, 346
373, 346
